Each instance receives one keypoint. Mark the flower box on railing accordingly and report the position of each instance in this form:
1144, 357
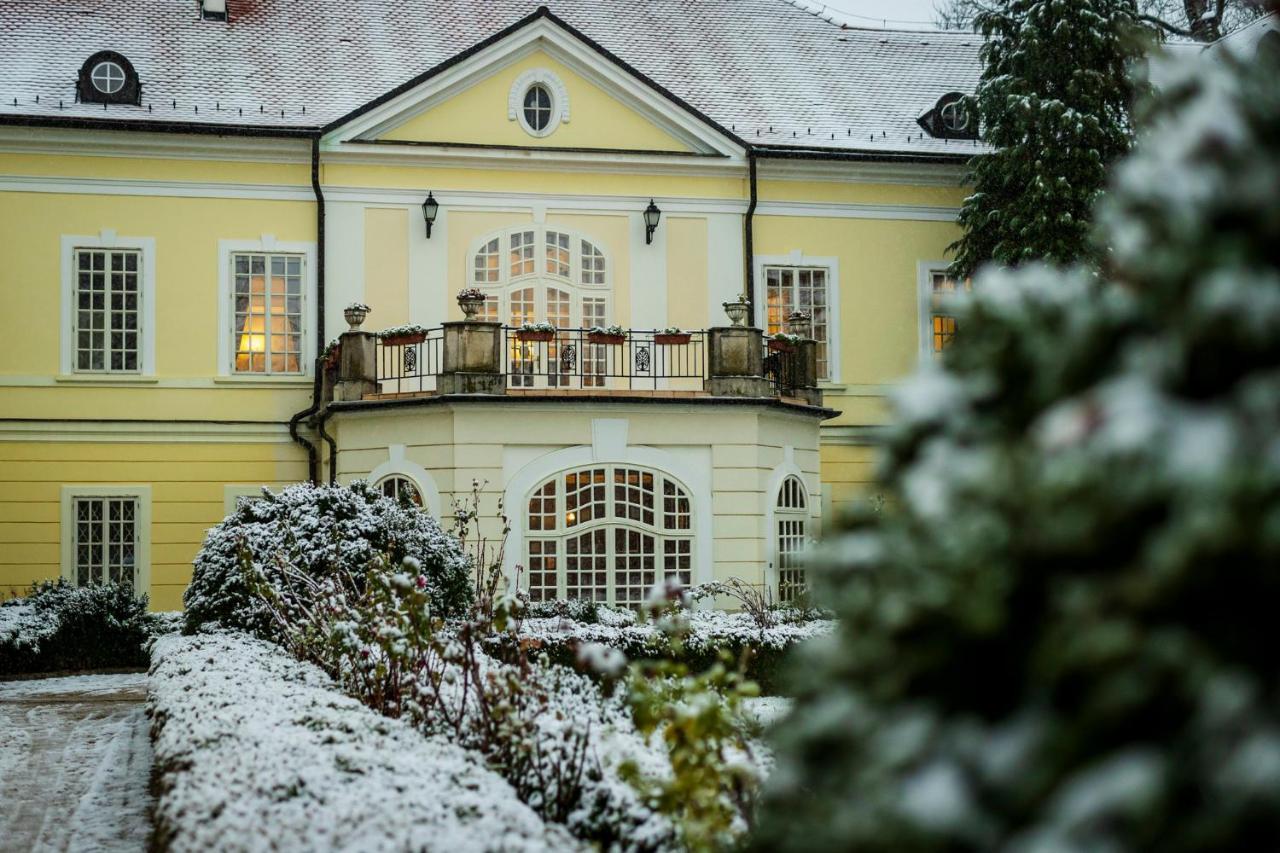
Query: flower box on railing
534, 335
404, 339
672, 338
605, 338
776, 345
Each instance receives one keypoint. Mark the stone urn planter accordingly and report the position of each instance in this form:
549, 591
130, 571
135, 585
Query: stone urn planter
737, 311
800, 324
672, 339
471, 301
355, 314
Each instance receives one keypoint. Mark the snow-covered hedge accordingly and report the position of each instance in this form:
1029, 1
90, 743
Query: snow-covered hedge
318, 530
559, 638
257, 750
58, 627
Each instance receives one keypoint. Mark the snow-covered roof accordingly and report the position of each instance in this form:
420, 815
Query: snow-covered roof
770, 71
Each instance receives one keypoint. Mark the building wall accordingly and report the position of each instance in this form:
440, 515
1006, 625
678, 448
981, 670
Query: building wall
730, 457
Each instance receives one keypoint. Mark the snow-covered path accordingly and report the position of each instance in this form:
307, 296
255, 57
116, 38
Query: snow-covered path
75, 764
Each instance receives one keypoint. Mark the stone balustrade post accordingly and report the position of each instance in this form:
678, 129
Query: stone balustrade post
807, 378
472, 358
735, 361
357, 366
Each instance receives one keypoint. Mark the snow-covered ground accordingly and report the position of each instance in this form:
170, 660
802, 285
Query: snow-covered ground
75, 764
260, 751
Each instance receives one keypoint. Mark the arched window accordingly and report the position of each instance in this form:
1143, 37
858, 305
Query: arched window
542, 275
607, 533
400, 489
792, 514
108, 77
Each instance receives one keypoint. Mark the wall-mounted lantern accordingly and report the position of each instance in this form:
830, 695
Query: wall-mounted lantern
651, 217
430, 208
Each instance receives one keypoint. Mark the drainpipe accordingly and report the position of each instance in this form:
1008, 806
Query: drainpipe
748, 239
333, 447
313, 459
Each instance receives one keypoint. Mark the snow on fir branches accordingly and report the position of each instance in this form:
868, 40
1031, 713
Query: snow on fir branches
1054, 106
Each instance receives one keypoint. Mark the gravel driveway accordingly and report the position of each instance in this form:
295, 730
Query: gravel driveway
75, 764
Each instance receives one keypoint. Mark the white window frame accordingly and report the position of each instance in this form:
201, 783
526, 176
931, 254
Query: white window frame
119, 77
555, 87
233, 493
657, 530
141, 493
266, 244
541, 278
924, 297
779, 475
797, 258
108, 240
398, 465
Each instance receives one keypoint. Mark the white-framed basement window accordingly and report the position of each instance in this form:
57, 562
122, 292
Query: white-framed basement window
938, 292
791, 518
607, 533
106, 535
799, 282
108, 305
266, 308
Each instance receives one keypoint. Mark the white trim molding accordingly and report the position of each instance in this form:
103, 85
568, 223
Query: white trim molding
555, 87
797, 259
398, 465
142, 524
145, 432
108, 239
265, 243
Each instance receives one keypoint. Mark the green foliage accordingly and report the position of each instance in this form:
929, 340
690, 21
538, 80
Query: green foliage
708, 793
1053, 103
78, 628
1059, 634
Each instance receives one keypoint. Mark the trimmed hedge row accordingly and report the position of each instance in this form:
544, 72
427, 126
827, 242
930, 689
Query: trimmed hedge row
57, 627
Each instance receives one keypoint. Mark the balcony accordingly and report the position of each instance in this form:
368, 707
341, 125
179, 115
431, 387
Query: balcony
474, 357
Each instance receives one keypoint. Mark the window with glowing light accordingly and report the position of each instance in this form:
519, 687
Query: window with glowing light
401, 489
607, 533
267, 334
791, 289
940, 330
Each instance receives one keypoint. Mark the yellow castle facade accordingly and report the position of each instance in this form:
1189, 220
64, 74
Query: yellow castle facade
187, 261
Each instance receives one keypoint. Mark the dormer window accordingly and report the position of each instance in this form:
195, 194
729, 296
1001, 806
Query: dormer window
108, 78
950, 118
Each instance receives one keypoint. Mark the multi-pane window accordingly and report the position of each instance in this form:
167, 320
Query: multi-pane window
791, 289
791, 513
943, 289
402, 490
578, 267
267, 336
522, 259
105, 540
558, 259
485, 265
107, 315
592, 264
607, 533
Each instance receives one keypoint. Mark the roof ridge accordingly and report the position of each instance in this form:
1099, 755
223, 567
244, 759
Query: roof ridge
823, 10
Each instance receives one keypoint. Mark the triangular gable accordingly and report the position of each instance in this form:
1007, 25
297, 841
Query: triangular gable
468, 100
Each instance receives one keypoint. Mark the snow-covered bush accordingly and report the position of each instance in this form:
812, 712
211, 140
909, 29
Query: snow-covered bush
256, 750
559, 639
59, 627
1061, 633
318, 530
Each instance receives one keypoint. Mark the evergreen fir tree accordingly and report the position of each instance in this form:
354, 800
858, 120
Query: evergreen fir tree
1053, 104
1061, 633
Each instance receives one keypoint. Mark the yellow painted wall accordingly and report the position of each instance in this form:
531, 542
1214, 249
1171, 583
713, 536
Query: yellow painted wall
687, 251
295, 174
386, 264
478, 115
187, 496
848, 476
186, 233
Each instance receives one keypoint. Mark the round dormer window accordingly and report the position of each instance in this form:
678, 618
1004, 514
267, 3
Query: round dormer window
108, 77
538, 101
955, 118
537, 108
